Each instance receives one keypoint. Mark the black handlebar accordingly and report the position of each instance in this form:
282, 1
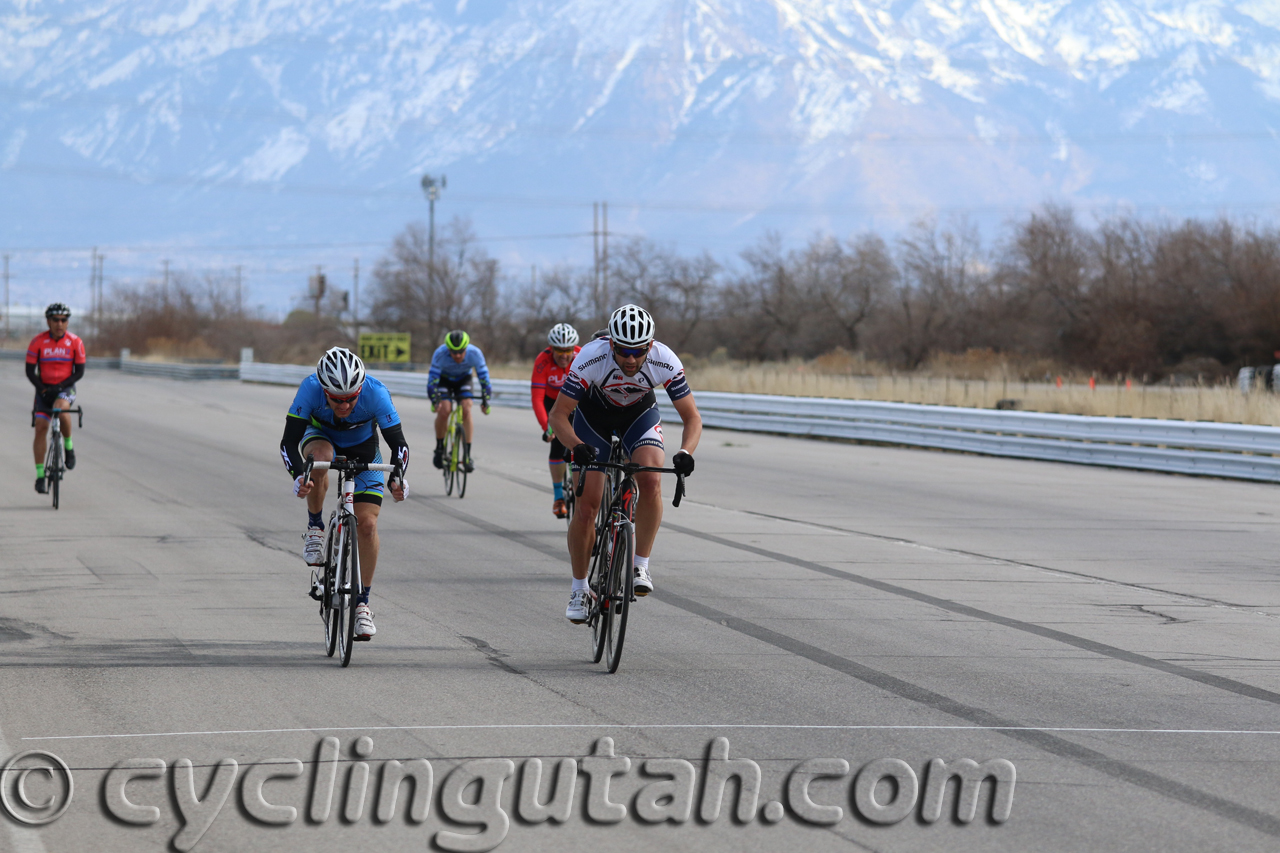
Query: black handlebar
633, 468
349, 466
79, 412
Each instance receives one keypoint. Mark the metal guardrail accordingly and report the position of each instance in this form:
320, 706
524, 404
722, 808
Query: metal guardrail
1235, 451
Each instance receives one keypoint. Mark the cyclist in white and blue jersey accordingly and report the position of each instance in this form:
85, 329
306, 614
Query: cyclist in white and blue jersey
450, 381
335, 412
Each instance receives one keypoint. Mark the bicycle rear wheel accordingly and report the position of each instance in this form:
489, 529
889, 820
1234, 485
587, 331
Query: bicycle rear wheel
332, 617
597, 580
459, 441
621, 580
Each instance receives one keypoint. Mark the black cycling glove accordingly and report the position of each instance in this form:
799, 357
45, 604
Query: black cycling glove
50, 394
683, 463
584, 454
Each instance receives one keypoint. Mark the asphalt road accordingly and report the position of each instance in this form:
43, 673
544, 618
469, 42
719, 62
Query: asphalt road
1104, 642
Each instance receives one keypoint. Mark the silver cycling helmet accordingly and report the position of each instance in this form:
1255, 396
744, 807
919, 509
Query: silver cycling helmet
631, 326
562, 336
341, 372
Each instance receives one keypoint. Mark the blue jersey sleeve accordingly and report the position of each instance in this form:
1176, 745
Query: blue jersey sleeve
309, 398
482, 369
380, 405
438, 359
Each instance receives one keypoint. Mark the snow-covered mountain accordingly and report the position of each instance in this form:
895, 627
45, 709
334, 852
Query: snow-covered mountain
233, 123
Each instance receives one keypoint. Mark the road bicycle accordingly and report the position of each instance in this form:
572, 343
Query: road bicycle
54, 458
611, 577
455, 451
342, 579
566, 486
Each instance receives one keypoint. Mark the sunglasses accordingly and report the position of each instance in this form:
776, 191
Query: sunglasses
342, 400
631, 352
59, 319
565, 351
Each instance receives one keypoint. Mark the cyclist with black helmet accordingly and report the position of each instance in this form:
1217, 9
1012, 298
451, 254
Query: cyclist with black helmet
610, 390
55, 363
449, 384
549, 370
336, 410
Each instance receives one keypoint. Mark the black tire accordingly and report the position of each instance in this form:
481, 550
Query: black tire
621, 583
459, 440
600, 610
54, 471
353, 577
567, 490
344, 596
449, 466
332, 619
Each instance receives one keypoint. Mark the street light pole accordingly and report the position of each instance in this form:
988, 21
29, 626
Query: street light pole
432, 188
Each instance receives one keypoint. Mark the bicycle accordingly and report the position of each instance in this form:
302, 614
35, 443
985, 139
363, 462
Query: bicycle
54, 463
455, 438
566, 486
611, 577
342, 578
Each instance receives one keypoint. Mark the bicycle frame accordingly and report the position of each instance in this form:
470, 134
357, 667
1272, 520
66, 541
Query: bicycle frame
53, 447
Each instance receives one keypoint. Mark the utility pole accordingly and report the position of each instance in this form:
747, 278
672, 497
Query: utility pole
6, 297
432, 188
97, 323
93, 282
239, 291
600, 249
355, 300
595, 255
604, 258
166, 280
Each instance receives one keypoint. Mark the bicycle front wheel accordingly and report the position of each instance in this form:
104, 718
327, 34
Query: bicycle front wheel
598, 581
459, 441
621, 580
328, 601
53, 469
567, 490
346, 591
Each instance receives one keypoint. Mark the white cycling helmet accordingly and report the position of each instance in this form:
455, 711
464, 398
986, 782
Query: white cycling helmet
631, 326
341, 372
562, 336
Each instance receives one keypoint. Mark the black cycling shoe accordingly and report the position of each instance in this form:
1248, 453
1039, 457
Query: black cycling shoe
40, 485
71, 459
438, 459
468, 465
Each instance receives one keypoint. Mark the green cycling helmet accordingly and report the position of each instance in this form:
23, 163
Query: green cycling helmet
457, 340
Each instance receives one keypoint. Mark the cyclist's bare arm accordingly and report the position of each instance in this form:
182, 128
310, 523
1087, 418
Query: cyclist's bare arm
561, 420
688, 412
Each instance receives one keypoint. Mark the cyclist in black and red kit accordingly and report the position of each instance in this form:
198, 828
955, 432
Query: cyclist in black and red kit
610, 391
55, 363
549, 370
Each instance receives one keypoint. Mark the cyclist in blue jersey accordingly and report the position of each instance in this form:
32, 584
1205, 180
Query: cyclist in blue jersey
335, 411
449, 383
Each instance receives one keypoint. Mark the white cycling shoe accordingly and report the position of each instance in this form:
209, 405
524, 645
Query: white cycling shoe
643, 584
313, 546
579, 606
364, 622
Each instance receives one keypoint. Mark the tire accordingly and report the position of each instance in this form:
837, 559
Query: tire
332, 618
621, 582
54, 471
450, 463
344, 596
459, 441
602, 613
567, 489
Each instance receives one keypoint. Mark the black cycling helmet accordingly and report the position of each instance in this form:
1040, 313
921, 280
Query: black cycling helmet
57, 309
457, 340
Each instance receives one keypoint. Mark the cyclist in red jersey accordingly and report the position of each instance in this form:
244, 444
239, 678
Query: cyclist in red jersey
549, 370
55, 362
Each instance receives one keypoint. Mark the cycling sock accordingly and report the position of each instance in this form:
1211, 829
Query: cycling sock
579, 583
66, 442
559, 487
467, 445
642, 562
314, 519
439, 444
363, 597
40, 470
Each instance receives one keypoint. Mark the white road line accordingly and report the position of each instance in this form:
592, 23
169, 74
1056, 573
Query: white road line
1081, 730
24, 839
